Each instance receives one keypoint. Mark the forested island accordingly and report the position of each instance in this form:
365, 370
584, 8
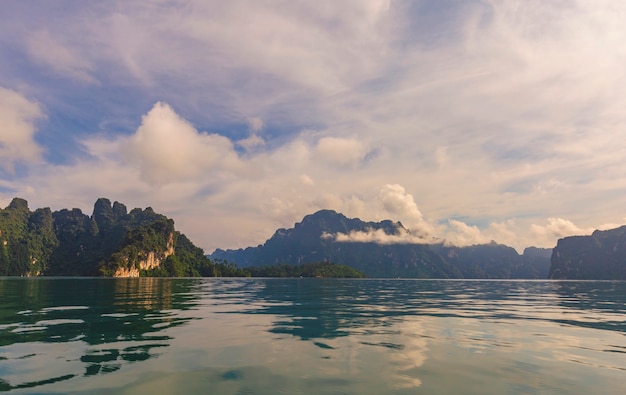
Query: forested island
113, 242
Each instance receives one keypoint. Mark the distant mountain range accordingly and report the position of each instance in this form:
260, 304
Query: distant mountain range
116, 242
315, 239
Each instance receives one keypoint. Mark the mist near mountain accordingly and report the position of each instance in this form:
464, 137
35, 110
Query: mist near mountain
316, 239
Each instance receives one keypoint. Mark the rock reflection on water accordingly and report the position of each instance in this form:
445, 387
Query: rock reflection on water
461, 336
311, 336
359, 326
53, 330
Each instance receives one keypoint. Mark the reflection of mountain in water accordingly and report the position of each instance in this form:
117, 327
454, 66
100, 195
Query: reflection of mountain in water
313, 309
60, 329
317, 309
111, 321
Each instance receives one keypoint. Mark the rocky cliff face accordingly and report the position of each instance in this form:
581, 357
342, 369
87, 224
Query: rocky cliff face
601, 256
111, 242
144, 260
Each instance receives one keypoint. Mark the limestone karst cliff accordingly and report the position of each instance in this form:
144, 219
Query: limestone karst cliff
600, 256
110, 242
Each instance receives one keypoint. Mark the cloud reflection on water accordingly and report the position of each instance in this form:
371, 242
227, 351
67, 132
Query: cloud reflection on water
311, 336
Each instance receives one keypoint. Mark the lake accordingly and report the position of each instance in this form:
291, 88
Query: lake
311, 336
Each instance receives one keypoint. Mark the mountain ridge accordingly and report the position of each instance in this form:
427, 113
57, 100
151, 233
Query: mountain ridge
312, 240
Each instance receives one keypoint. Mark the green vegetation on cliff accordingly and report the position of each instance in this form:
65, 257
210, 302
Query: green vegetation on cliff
111, 242
27, 239
190, 261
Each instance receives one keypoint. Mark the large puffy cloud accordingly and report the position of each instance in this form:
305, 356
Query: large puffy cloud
462, 234
398, 203
168, 148
18, 117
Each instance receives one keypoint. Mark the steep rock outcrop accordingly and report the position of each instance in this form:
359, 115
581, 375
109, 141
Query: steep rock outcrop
600, 256
133, 258
110, 242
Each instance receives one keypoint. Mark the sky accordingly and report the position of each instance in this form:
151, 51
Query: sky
468, 121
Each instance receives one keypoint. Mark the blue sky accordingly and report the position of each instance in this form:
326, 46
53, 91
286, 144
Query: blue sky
468, 121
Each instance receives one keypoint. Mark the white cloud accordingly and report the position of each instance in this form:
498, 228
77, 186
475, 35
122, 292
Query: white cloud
342, 151
167, 148
398, 203
557, 228
18, 117
462, 234
379, 236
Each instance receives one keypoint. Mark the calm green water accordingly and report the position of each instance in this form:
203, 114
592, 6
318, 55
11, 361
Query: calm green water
311, 336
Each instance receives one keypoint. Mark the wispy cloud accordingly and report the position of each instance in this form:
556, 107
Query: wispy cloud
44, 49
379, 236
